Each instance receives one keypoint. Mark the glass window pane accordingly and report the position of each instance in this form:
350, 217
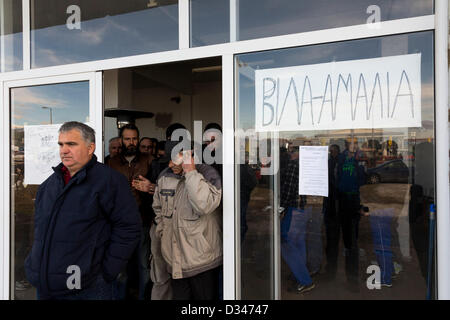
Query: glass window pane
66, 31
265, 18
35, 108
210, 22
372, 226
11, 56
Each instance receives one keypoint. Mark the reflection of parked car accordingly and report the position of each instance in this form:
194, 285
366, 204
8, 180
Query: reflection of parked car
391, 171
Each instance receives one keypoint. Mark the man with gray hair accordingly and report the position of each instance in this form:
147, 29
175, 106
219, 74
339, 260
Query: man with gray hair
114, 148
87, 223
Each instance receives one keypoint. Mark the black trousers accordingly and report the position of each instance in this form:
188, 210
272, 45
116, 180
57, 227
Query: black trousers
203, 286
332, 227
343, 216
349, 216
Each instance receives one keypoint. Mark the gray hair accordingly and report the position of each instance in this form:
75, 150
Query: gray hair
112, 139
87, 132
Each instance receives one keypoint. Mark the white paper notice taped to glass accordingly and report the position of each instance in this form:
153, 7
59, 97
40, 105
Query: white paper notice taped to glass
41, 152
357, 94
313, 175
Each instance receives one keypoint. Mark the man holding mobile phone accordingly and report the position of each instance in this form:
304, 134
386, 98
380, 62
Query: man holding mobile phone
189, 223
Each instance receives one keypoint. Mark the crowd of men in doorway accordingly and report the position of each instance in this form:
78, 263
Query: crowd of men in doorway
146, 163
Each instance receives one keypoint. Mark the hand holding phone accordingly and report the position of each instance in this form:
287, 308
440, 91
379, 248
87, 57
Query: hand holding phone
188, 161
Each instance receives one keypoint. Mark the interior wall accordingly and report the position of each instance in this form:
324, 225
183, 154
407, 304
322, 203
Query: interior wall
166, 111
205, 104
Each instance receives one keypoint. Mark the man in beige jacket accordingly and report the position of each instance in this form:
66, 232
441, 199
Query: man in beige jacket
186, 203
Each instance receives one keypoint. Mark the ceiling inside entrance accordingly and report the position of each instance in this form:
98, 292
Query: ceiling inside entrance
179, 75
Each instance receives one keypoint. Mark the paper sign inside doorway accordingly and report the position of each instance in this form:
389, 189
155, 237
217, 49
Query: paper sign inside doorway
313, 176
41, 152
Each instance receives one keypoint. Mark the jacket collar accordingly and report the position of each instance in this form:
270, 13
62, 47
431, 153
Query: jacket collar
125, 161
81, 174
167, 172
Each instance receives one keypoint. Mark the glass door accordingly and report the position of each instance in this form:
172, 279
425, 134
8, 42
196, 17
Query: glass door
38, 108
338, 175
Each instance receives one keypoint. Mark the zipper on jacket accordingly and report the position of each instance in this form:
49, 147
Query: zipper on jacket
49, 237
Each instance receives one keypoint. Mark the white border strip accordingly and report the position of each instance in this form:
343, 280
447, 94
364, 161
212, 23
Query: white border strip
2, 39
276, 239
26, 34
86, 76
5, 220
4, 225
184, 36
97, 114
229, 215
442, 144
293, 40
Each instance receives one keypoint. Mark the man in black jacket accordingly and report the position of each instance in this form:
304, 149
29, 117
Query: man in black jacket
87, 223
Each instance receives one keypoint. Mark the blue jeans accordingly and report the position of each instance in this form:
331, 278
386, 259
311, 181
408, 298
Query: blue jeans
380, 223
100, 290
293, 246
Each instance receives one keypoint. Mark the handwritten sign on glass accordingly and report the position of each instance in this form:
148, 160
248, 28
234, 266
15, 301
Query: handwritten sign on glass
369, 93
41, 152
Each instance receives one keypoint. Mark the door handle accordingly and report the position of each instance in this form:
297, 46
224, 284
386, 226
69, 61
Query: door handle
280, 211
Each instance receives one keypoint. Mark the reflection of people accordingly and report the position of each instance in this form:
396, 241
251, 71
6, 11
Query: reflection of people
18, 178
380, 223
330, 208
134, 166
78, 243
212, 148
350, 177
294, 226
248, 183
115, 148
186, 203
421, 197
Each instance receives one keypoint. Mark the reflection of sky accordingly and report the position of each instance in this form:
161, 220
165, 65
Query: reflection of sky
262, 18
11, 20
69, 102
343, 51
13, 51
140, 32
210, 22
